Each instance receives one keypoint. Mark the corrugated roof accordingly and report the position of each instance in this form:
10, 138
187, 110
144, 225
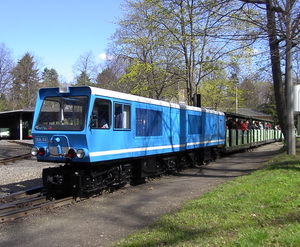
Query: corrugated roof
249, 113
253, 113
18, 111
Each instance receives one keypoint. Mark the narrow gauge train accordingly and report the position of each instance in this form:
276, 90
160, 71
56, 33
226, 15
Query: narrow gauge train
106, 139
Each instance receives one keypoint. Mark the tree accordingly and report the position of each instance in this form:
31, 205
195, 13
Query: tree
269, 107
49, 78
107, 79
85, 69
25, 83
218, 92
177, 42
256, 92
297, 64
141, 43
6, 66
282, 29
83, 79
206, 35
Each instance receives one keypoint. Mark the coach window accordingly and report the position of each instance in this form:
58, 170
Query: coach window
122, 116
148, 122
101, 114
194, 124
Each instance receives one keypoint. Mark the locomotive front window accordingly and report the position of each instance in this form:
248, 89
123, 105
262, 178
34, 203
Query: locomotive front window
58, 113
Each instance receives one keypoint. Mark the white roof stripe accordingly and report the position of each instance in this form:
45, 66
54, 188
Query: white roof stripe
130, 97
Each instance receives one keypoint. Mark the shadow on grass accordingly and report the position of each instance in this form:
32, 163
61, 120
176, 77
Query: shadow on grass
209, 235
287, 165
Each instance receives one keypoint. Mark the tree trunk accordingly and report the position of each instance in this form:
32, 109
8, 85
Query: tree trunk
284, 100
276, 70
291, 138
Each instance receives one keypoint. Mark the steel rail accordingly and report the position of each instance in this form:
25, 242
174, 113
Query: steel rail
22, 208
21, 194
5, 161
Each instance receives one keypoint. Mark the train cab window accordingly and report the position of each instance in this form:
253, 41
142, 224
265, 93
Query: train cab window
101, 116
62, 113
122, 116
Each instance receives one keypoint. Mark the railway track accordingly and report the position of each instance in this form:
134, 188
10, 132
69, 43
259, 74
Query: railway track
12, 158
28, 202
6, 161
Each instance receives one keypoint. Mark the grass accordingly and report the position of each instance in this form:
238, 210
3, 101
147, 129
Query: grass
262, 209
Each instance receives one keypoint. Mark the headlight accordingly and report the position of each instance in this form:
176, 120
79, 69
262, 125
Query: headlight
80, 153
34, 151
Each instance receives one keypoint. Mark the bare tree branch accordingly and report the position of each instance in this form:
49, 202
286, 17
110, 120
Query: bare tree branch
254, 1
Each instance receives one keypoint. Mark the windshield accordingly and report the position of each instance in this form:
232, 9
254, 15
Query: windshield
59, 113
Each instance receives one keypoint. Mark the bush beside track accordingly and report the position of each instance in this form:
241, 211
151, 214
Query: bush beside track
262, 209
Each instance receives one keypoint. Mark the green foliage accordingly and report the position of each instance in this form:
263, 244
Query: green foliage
25, 83
83, 80
4, 104
136, 75
147, 80
49, 78
219, 93
214, 93
259, 95
143, 42
107, 79
182, 42
269, 108
261, 209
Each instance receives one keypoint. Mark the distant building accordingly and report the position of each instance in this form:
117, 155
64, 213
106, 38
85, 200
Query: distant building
16, 125
254, 114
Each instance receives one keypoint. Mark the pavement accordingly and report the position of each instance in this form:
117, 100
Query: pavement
100, 221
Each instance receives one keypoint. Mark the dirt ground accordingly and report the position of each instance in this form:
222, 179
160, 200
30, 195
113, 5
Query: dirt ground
102, 220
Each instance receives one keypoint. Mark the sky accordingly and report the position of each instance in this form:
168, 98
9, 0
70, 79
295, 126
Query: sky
58, 32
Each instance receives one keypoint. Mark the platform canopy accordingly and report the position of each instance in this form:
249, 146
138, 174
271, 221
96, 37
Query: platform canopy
16, 124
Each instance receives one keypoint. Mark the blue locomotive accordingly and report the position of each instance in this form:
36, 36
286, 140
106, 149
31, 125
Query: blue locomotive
107, 138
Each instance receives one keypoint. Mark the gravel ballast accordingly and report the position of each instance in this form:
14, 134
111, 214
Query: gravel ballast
21, 174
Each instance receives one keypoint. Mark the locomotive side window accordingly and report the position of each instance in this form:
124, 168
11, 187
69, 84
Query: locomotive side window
148, 122
194, 124
122, 116
101, 117
58, 113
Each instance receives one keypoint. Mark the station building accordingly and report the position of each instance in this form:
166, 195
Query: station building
16, 125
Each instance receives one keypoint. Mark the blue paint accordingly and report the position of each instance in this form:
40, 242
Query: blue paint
136, 126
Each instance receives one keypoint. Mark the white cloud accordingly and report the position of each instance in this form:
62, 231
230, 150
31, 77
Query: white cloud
104, 57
